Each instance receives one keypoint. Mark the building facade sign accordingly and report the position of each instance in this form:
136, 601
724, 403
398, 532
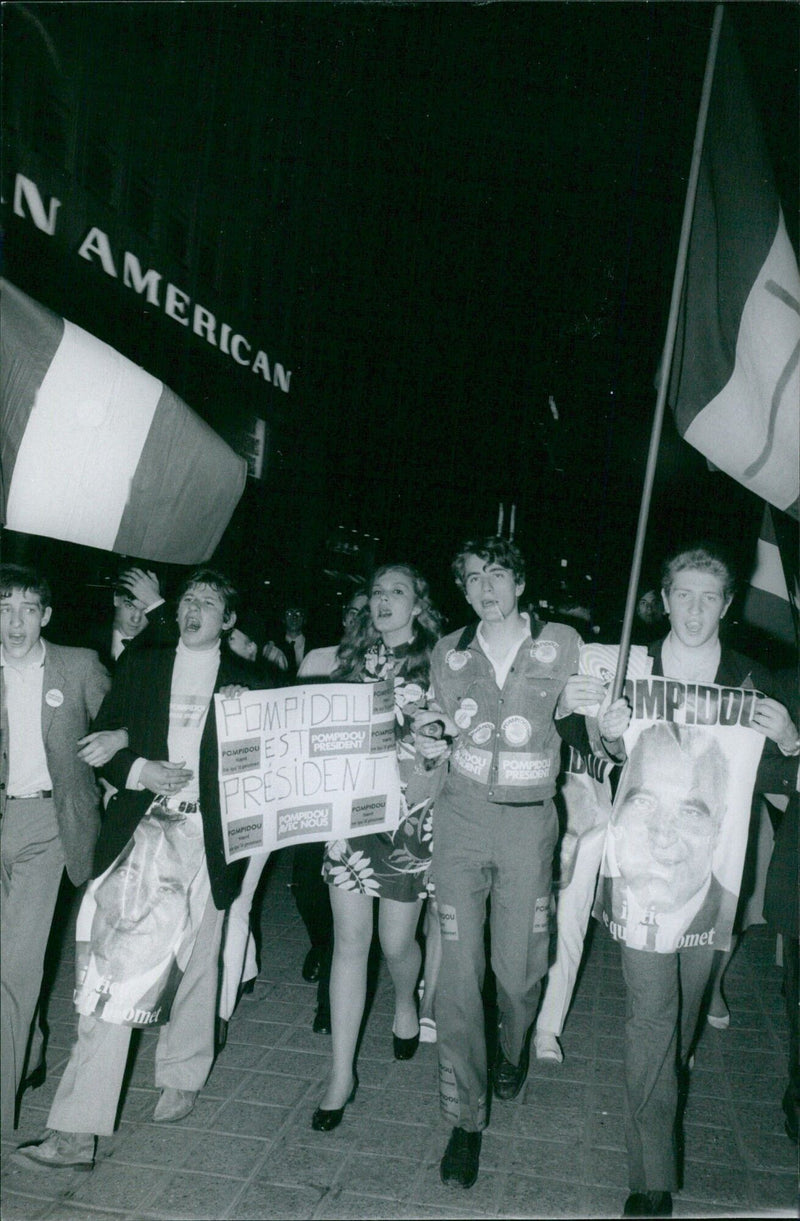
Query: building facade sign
153, 286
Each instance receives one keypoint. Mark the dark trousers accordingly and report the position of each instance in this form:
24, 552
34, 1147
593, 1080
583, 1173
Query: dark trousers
791, 953
664, 993
314, 905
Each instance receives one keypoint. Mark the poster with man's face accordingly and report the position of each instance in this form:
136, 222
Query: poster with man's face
676, 839
138, 921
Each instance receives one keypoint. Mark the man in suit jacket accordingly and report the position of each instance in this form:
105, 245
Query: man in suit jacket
49, 800
163, 696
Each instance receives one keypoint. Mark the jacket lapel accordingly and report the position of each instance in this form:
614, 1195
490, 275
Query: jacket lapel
53, 684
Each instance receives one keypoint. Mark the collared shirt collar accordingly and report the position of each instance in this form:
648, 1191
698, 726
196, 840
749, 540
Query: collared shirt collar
5, 661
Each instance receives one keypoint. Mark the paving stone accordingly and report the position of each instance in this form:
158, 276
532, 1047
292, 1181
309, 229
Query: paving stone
111, 1185
19, 1207
303, 1165
604, 1168
707, 1143
720, 1185
263, 1203
251, 1119
274, 1088
430, 1192
524, 1196
775, 1191
371, 1175
189, 1193
407, 1105
765, 1151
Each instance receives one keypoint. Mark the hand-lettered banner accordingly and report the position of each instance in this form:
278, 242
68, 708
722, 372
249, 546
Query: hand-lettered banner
675, 844
307, 763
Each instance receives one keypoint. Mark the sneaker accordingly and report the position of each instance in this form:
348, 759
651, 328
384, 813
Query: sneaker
547, 1047
174, 1105
461, 1158
427, 1030
58, 1151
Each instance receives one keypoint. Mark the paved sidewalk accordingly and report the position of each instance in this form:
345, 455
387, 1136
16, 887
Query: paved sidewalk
247, 1151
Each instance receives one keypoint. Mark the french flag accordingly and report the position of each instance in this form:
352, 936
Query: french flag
734, 384
97, 451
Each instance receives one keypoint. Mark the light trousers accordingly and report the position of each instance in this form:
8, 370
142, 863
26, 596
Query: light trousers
572, 920
31, 865
88, 1094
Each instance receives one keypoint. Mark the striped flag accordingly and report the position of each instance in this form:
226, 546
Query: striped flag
773, 597
97, 451
734, 383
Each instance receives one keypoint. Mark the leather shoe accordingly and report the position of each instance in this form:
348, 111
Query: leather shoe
326, 1121
461, 1158
405, 1049
507, 1078
36, 1078
313, 964
322, 1022
58, 1151
174, 1105
648, 1204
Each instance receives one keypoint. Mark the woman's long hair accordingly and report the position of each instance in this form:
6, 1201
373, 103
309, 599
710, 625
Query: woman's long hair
362, 634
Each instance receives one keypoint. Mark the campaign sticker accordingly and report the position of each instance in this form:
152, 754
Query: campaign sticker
545, 651
466, 711
54, 698
240, 756
456, 660
482, 733
516, 730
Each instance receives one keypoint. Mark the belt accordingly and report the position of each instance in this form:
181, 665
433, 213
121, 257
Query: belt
40, 794
179, 807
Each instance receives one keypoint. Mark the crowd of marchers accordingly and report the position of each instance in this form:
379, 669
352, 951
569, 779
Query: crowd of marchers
109, 771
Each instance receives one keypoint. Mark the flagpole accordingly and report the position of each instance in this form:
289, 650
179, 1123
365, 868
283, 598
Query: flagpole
666, 360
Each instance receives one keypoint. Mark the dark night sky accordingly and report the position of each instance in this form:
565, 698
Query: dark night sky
459, 211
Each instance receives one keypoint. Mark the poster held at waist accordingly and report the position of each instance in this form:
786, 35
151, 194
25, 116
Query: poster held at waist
675, 844
306, 764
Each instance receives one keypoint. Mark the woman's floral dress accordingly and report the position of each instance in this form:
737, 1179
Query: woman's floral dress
391, 866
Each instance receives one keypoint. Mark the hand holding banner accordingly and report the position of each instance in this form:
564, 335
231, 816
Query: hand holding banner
676, 841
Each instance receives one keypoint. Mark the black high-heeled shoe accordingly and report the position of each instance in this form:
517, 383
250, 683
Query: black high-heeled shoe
326, 1121
405, 1049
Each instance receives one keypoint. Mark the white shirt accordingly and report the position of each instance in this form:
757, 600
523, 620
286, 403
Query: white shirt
27, 761
117, 645
502, 668
194, 676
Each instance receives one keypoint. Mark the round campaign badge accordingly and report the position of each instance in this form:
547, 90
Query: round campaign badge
465, 713
54, 698
482, 733
545, 651
457, 660
516, 730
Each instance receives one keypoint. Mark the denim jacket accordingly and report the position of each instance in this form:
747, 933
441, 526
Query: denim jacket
508, 749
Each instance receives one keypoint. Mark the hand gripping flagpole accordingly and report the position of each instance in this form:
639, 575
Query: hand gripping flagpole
666, 360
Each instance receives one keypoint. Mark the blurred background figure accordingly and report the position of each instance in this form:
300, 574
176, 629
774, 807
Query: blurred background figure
137, 599
291, 641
